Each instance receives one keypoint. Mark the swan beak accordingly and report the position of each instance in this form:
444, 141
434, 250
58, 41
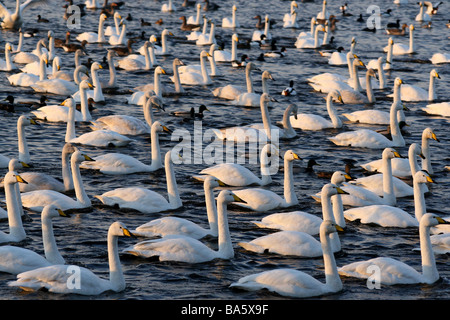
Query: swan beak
422, 156
63, 214
100, 66
340, 191
397, 155
163, 71
127, 233
340, 99
405, 108
87, 158
433, 135
58, 67
167, 129
90, 85
339, 228
32, 121
221, 183
25, 165
437, 75
170, 34
429, 179
348, 177
297, 157
237, 199
442, 221
20, 179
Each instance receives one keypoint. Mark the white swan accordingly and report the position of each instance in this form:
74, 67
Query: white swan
252, 99
231, 22
225, 55
310, 43
14, 20
207, 39
389, 216
186, 249
337, 58
193, 36
38, 199
55, 86
16, 230
195, 19
401, 48
288, 16
440, 57
22, 57
24, 79
55, 278
24, 152
96, 93
393, 271
438, 109
308, 121
179, 226
120, 39
414, 93
168, 7
145, 200
427, 135
256, 36
118, 163
194, 78
422, 15
236, 175
7, 64
213, 71
261, 200
162, 50
92, 37
92, 4
16, 260
110, 30
60, 113
139, 97
365, 138
134, 62
294, 283
231, 91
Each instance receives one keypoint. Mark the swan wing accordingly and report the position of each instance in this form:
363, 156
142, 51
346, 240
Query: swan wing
16, 260
116, 163
232, 174
383, 215
171, 226
33, 4
291, 221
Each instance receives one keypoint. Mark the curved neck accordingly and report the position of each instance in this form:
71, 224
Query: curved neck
289, 192
80, 193
381, 76
148, 61
116, 22
98, 93
429, 270
101, 31
337, 123
76, 76
431, 90
14, 213
265, 87
266, 177
50, 248
211, 209
66, 173
388, 184
77, 59
212, 63
122, 34
152, 55
176, 79
70, 129
248, 78
286, 122
369, 91
396, 134
356, 83
156, 151
332, 279
327, 214
338, 210
225, 246
24, 153
172, 188
412, 158
116, 277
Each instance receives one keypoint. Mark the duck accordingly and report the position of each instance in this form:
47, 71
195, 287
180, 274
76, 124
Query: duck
262, 200
17, 259
188, 26
394, 272
145, 23
55, 278
36, 200
240, 63
289, 90
294, 283
191, 113
210, 6
397, 31
236, 175
14, 20
276, 54
306, 121
145, 200
171, 225
73, 47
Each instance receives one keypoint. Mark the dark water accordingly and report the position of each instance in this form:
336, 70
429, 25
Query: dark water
82, 239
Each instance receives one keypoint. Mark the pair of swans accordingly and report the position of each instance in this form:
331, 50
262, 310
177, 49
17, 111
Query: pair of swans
415, 93
297, 242
401, 48
250, 98
96, 138
162, 50
139, 97
136, 62
231, 91
207, 39
143, 199
310, 42
365, 138
213, 72
16, 260
25, 79
236, 175
118, 163
194, 78
14, 20
225, 55
180, 248
119, 39
394, 271
96, 93
55, 278
36, 200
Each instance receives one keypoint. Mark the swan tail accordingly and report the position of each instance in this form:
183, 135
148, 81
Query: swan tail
251, 247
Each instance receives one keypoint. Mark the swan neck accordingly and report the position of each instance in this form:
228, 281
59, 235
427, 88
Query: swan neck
419, 200
172, 188
206, 78
429, 270
98, 94
50, 248
70, 129
211, 209
411, 41
316, 37
224, 238
113, 72
332, 279
66, 173
265, 86
16, 229
337, 123
86, 115
266, 120
370, 95
426, 163
157, 84
80, 193
42, 70
24, 153
431, 89
248, 78
101, 32
381, 76
338, 210
397, 138
289, 192
389, 56
388, 185
148, 61
412, 159
286, 122
116, 277
356, 83
176, 76
156, 152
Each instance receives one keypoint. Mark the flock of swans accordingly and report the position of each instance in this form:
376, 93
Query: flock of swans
374, 199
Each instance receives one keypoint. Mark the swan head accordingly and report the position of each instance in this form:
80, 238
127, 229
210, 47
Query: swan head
428, 133
51, 211
15, 164
235, 37
340, 176
390, 153
160, 70
79, 156
204, 54
291, 156
371, 72
265, 97
96, 66
398, 81
417, 150
68, 149
336, 95
227, 196
435, 74
85, 85
103, 17
178, 62
251, 66
422, 176
118, 229
50, 34
213, 182
331, 189
159, 127
329, 227
57, 62
167, 32
267, 75
26, 120
69, 102
12, 177
430, 220
8, 47
411, 27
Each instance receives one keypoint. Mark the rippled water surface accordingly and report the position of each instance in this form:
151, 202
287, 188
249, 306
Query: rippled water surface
82, 238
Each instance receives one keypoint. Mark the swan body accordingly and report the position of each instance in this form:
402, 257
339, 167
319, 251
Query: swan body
261, 200
38, 199
225, 55
422, 15
414, 93
194, 78
139, 97
252, 99
365, 138
438, 109
16, 260
189, 250
306, 121
168, 7
110, 30
7, 64
96, 93
134, 62
120, 39
14, 20
55, 278
295, 283
401, 48
308, 42
230, 91
438, 58
24, 79
178, 226
92, 37
393, 271
145, 200
236, 175
291, 221
118, 163
231, 22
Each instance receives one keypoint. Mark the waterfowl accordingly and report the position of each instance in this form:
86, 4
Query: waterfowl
266, 26
188, 26
55, 278
289, 90
422, 15
400, 48
210, 6
292, 23
73, 47
92, 37
145, 23
231, 91
276, 54
252, 99
191, 113
7, 64
240, 63
138, 97
438, 109
195, 78
410, 92
397, 31
168, 7
96, 92
337, 57
14, 20
232, 22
